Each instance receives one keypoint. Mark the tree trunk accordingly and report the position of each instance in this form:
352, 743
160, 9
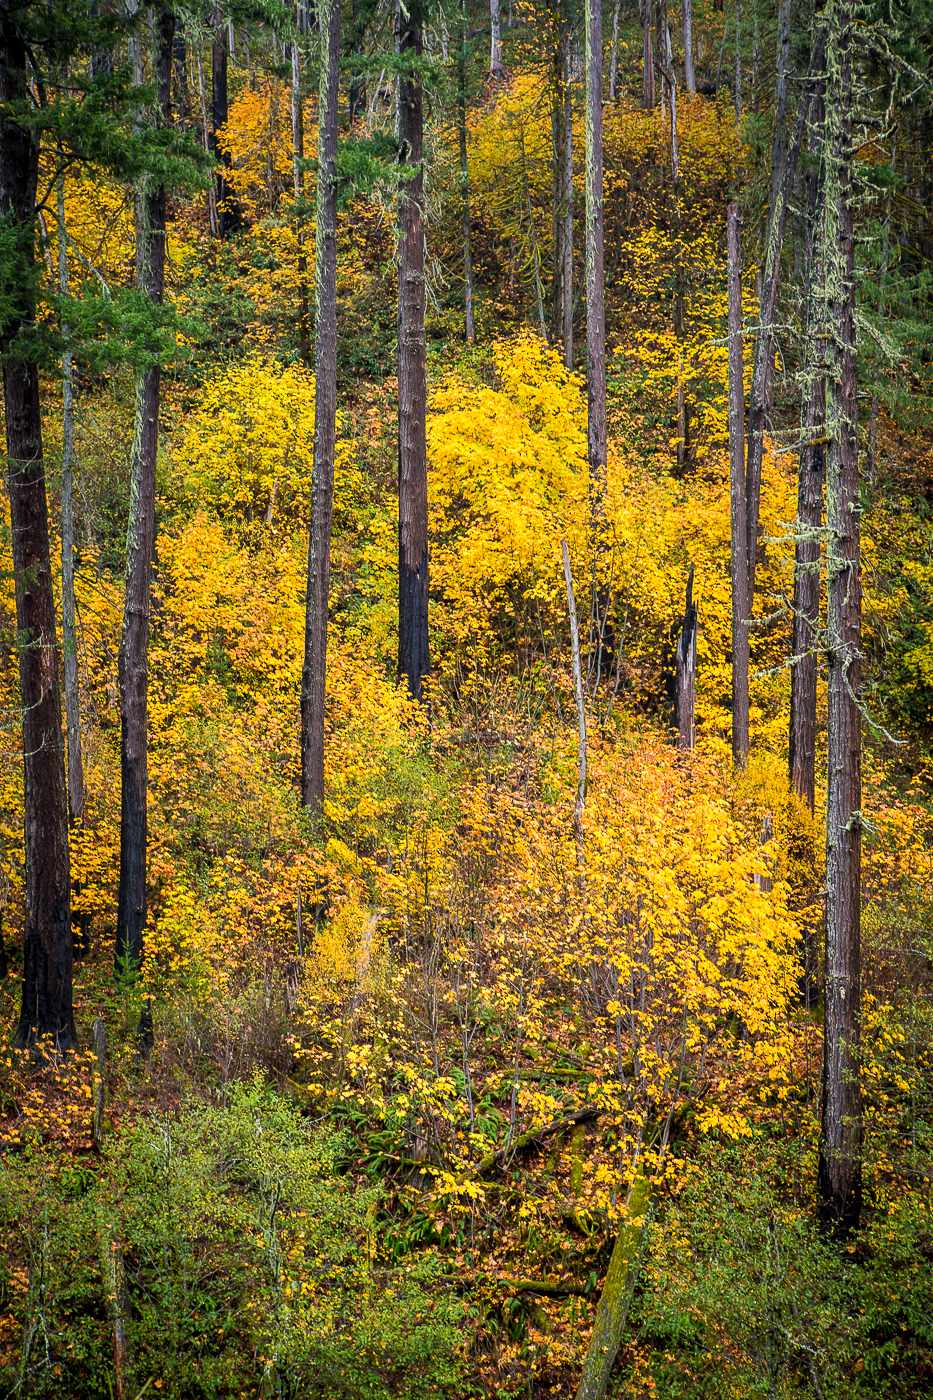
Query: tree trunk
647, 85
314, 671
612, 1310
180, 72
614, 55
686, 10
803, 676
226, 213
740, 596
496, 68
567, 242
465, 180
840, 1165
738, 61
413, 653
133, 660
764, 351
595, 289
685, 673
46, 1007
298, 155
69, 629
358, 79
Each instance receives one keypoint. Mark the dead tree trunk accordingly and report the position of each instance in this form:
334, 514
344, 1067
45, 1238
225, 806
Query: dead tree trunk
46, 1007
314, 671
840, 1160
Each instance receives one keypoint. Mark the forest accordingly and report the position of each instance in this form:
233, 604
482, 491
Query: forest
466, 699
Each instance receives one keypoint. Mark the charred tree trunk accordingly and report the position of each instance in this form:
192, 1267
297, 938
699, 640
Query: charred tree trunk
740, 595
413, 653
69, 628
840, 1159
46, 1007
314, 672
226, 211
133, 660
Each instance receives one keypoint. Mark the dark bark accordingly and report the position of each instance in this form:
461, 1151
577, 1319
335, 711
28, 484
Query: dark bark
69, 627
685, 673
802, 747
740, 594
314, 671
595, 283
298, 155
46, 1008
227, 217
133, 660
465, 180
361, 13
413, 652
180, 72
840, 1164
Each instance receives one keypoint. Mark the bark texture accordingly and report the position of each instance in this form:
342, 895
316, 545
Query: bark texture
686, 11
802, 737
595, 282
46, 1007
740, 593
133, 660
686, 672
840, 1162
314, 671
413, 654
465, 180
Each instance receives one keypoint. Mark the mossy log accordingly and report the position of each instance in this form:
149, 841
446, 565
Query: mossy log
616, 1296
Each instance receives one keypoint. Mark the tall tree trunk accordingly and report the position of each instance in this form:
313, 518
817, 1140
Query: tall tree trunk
567, 280
686, 11
358, 79
764, 344
595, 288
298, 178
465, 180
69, 629
614, 54
740, 594
226, 213
840, 1160
133, 660
314, 672
180, 72
738, 61
496, 67
647, 79
46, 1007
413, 653
803, 676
